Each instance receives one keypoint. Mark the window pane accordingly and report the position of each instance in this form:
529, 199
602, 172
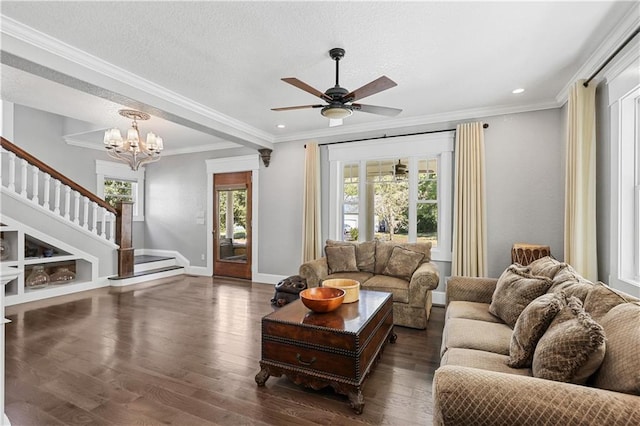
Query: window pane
427, 223
118, 190
388, 180
428, 179
350, 202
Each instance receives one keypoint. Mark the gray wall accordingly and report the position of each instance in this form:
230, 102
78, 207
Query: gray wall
525, 183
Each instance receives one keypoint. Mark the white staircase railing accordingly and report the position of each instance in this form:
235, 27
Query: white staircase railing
69, 204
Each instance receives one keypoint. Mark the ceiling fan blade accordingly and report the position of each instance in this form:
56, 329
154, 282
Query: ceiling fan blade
296, 107
304, 86
376, 86
334, 122
373, 109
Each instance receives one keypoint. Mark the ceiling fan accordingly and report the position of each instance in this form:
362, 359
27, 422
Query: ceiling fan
340, 102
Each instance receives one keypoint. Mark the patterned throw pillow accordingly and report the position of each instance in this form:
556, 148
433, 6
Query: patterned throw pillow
516, 288
546, 267
403, 263
531, 325
620, 369
572, 348
365, 253
341, 259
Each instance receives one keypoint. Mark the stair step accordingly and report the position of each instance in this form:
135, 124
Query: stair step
147, 263
145, 273
145, 258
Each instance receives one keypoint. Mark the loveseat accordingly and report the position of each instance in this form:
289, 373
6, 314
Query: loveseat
403, 269
541, 345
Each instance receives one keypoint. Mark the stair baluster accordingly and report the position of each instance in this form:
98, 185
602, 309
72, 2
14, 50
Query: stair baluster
47, 189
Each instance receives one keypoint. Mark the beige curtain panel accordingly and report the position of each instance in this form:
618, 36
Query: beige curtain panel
580, 182
469, 207
311, 244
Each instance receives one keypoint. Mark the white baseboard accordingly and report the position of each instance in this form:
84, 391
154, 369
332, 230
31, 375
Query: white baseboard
267, 278
439, 298
200, 271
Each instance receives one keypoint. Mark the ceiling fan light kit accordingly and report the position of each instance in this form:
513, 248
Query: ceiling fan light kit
336, 112
340, 100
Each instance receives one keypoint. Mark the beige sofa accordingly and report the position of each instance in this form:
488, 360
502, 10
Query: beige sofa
382, 266
474, 384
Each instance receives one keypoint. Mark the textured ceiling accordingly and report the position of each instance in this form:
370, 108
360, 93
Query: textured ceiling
447, 57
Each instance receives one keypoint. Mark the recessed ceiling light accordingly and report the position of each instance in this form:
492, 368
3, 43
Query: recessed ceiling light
280, 126
516, 91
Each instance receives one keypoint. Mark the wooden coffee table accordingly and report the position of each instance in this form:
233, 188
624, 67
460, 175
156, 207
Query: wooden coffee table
337, 349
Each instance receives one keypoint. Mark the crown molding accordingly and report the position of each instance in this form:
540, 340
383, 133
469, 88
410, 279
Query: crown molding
468, 114
615, 38
72, 141
79, 58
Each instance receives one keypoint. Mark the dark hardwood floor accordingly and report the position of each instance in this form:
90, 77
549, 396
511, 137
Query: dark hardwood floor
186, 353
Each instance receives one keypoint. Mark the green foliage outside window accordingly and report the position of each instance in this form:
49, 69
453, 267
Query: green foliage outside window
117, 190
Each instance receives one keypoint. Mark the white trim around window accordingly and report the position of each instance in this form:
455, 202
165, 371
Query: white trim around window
120, 171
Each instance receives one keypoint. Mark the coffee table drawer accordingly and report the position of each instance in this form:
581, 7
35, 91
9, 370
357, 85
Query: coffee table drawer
310, 360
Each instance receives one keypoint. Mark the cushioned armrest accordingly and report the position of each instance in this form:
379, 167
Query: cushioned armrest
464, 396
470, 289
425, 278
314, 271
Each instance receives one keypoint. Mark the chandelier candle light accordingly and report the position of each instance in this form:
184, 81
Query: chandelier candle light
133, 151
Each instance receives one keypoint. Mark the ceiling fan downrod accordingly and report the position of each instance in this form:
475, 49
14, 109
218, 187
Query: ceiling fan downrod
336, 54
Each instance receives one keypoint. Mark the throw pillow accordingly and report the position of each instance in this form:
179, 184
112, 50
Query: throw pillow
531, 325
601, 299
365, 253
403, 263
572, 348
546, 267
516, 288
620, 369
341, 259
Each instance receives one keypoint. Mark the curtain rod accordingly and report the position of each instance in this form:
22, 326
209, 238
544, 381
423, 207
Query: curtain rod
613, 55
484, 126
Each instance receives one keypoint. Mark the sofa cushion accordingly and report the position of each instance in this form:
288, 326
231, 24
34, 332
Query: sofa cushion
403, 263
620, 369
601, 299
361, 277
531, 325
397, 286
472, 334
341, 259
470, 310
546, 267
385, 248
481, 359
365, 253
516, 288
572, 348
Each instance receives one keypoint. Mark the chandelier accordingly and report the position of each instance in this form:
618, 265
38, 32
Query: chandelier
132, 150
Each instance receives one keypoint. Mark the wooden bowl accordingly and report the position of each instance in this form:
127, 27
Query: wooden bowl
351, 288
322, 299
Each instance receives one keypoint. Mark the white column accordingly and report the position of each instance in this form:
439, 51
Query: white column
76, 207
67, 202
94, 218
85, 212
23, 178
34, 184
47, 190
56, 197
12, 171
103, 232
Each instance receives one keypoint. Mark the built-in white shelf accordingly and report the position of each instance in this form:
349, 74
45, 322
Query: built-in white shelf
30, 248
